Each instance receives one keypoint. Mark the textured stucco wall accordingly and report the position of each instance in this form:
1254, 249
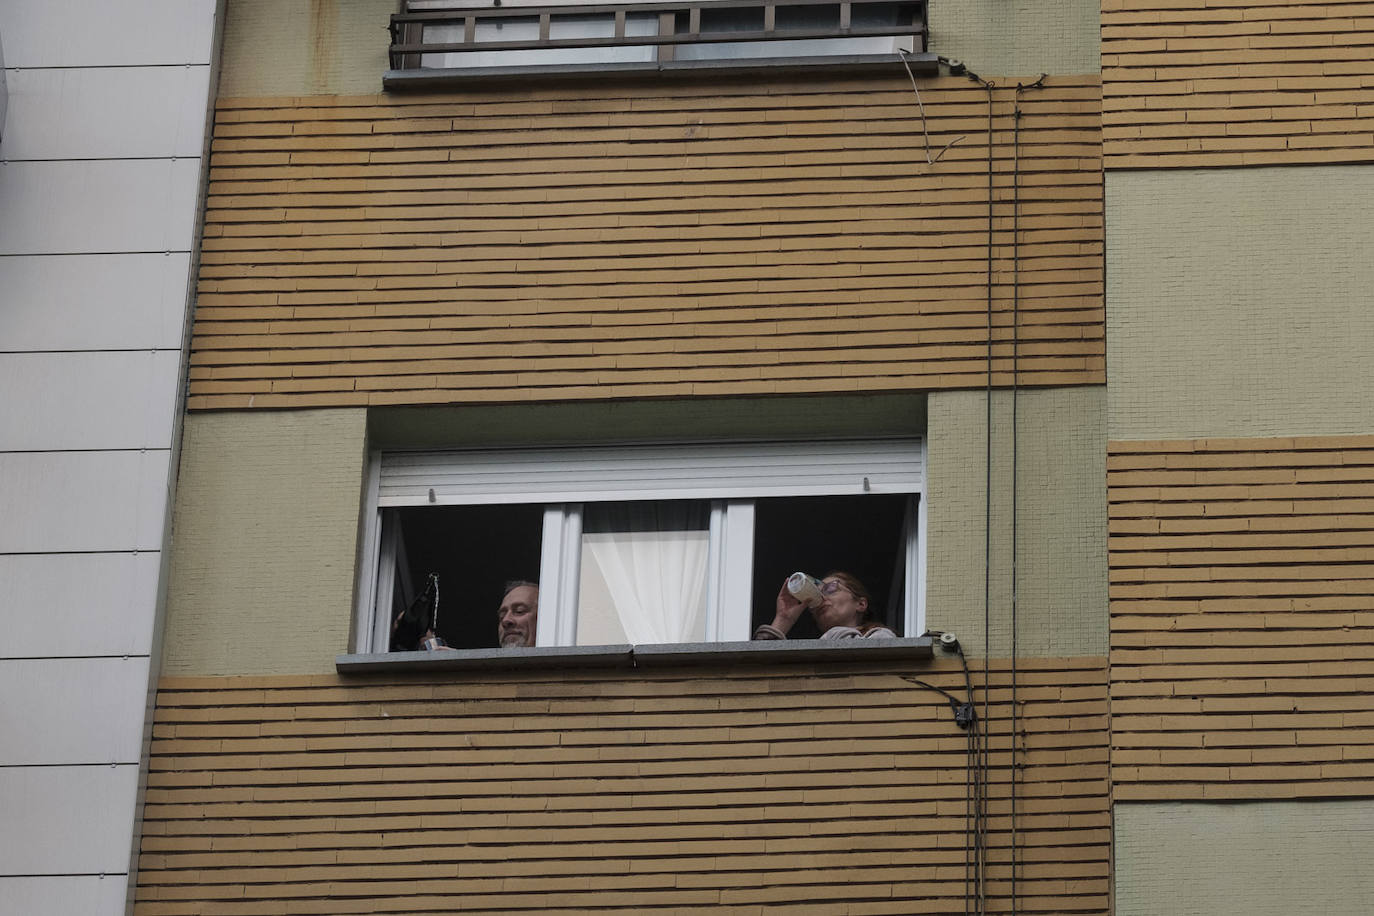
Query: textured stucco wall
338, 47
1256, 858
264, 542
1024, 37
305, 47
1238, 302
1061, 520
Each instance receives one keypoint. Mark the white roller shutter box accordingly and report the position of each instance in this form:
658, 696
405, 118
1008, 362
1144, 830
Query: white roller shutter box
629, 472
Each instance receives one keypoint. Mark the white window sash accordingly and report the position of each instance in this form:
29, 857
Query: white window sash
560, 573
730, 571
372, 628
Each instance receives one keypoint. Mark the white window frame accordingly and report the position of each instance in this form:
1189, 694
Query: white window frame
731, 475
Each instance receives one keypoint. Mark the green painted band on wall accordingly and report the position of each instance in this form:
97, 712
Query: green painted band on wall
1258, 858
1238, 302
1060, 524
264, 542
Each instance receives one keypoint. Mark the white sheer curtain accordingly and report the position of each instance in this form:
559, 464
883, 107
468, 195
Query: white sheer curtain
652, 558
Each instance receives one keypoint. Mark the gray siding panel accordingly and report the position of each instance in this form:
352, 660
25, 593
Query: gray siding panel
107, 112
117, 399
42, 33
78, 604
72, 710
93, 302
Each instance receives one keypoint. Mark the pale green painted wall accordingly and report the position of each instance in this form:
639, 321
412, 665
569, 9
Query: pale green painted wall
1061, 521
338, 47
264, 542
304, 47
1251, 859
1239, 302
1018, 37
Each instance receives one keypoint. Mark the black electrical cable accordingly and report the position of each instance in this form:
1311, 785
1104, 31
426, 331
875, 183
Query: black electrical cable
953, 700
978, 737
1015, 735
1015, 391
976, 836
975, 809
966, 719
975, 801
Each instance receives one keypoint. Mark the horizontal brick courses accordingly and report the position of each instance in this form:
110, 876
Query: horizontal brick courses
1242, 630
644, 240
702, 791
1291, 81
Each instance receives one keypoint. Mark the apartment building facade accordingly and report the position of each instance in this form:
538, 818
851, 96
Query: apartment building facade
1052, 329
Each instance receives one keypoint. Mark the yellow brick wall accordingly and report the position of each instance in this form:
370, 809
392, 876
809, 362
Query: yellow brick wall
642, 241
264, 540
834, 789
1196, 83
1242, 610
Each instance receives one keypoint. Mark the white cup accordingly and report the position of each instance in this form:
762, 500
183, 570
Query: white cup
805, 588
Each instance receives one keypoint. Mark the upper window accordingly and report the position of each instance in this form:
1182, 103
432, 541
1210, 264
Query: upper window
451, 39
638, 544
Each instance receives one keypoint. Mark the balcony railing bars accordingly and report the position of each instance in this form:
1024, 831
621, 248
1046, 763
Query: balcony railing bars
678, 24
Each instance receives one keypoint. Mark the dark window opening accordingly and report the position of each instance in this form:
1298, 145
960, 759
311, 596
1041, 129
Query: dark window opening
475, 550
646, 573
862, 535
808, 17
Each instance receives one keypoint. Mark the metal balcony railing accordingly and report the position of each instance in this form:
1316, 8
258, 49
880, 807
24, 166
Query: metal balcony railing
469, 42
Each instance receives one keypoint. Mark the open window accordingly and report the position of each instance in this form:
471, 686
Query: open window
640, 544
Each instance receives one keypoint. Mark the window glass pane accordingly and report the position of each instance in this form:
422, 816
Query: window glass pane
637, 25
860, 535
643, 573
807, 17
810, 47
748, 19
474, 550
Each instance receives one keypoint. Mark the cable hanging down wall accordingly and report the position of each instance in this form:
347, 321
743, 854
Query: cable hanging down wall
980, 734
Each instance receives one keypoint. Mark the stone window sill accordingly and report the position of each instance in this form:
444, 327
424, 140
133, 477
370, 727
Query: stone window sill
811, 651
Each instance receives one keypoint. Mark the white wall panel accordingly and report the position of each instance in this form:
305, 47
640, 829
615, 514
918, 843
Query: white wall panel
66, 895
107, 112
82, 501
93, 301
67, 820
98, 206
65, 33
72, 710
121, 399
77, 604
99, 181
